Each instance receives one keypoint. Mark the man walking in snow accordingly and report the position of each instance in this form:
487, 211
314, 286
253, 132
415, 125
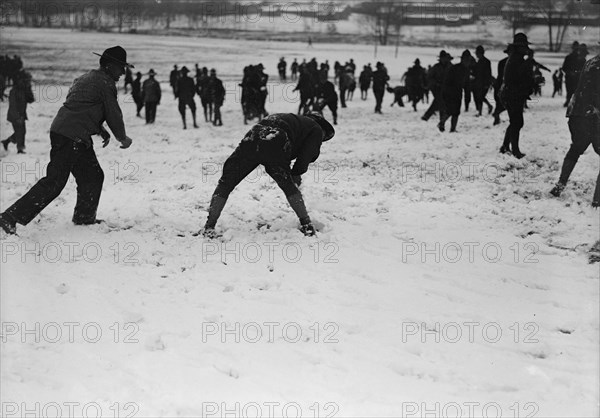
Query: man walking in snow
92, 99
152, 94
517, 85
435, 79
186, 89
584, 124
274, 142
20, 96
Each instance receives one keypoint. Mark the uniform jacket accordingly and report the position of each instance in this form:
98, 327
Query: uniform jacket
517, 84
435, 77
20, 95
216, 90
483, 74
586, 99
92, 99
455, 80
380, 79
294, 137
186, 89
151, 92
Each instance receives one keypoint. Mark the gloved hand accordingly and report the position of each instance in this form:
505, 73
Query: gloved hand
105, 136
297, 180
308, 230
126, 142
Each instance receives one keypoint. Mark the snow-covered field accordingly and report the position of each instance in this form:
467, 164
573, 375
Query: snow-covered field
444, 282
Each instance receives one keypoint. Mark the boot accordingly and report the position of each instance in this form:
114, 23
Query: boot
596, 199
217, 204
558, 189
8, 225
308, 230
5, 144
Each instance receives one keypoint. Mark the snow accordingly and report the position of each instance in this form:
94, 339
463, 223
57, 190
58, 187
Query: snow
419, 231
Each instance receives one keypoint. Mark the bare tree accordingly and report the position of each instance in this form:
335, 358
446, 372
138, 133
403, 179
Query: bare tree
382, 18
517, 15
556, 15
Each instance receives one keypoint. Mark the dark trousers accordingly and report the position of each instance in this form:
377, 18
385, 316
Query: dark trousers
479, 93
151, 112
18, 137
499, 105
343, 96
66, 157
240, 164
332, 105
139, 104
515, 110
571, 81
584, 131
378, 99
435, 105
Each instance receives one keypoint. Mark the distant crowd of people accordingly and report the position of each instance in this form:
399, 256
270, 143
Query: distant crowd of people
518, 78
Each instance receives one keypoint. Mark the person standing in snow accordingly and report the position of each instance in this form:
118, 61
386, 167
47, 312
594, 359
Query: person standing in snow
482, 80
453, 86
20, 95
435, 78
517, 85
92, 99
152, 94
584, 124
136, 93
186, 89
380, 80
173, 77
216, 92
274, 142
570, 68
497, 85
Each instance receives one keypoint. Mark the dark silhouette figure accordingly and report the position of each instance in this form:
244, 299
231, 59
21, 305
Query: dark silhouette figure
186, 89
584, 124
92, 99
152, 94
516, 88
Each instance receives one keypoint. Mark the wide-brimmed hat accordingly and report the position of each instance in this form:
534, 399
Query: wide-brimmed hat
444, 54
520, 39
115, 54
184, 69
151, 72
328, 130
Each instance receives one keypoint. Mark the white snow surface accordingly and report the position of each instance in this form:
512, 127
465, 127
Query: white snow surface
444, 278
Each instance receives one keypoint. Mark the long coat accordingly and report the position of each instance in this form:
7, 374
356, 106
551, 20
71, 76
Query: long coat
151, 91
454, 83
